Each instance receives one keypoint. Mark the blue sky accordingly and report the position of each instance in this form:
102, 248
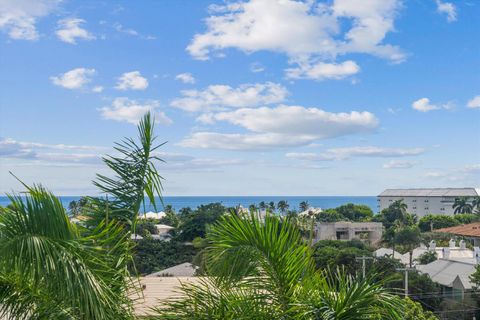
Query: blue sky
259, 97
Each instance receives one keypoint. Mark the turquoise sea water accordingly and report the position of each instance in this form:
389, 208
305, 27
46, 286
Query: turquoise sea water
178, 203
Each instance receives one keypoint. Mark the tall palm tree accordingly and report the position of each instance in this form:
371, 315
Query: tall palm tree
264, 270
462, 205
271, 206
304, 206
48, 270
51, 270
262, 205
283, 206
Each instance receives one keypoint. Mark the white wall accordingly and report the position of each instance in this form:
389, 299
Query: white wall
421, 206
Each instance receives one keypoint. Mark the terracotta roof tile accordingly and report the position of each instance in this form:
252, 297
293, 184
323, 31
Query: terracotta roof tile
469, 230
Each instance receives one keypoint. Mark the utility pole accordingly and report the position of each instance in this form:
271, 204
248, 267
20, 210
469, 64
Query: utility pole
406, 270
363, 258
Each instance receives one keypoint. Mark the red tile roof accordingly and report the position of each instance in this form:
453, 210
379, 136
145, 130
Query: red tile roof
468, 230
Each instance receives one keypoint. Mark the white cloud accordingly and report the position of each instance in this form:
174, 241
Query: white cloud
447, 8
424, 105
256, 67
471, 168
73, 79
217, 97
395, 164
69, 30
474, 102
186, 77
33, 151
18, 17
323, 71
132, 81
283, 126
242, 142
298, 120
350, 152
131, 111
435, 174
306, 31
120, 28
97, 89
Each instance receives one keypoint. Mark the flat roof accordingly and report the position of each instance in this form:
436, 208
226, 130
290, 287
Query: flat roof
431, 192
468, 230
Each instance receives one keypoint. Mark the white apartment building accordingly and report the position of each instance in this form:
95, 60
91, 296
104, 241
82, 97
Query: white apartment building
425, 201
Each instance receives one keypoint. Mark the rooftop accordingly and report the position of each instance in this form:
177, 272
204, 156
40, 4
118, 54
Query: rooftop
431, 192
445, 271
181, 270
468, 230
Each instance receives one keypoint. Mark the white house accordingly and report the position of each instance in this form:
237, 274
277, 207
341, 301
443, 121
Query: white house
426, 201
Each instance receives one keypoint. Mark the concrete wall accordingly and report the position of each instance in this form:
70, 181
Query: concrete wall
344, 230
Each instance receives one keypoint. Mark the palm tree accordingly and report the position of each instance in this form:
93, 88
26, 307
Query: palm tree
51, 270
135, 176
74, 208
271, 206
476, 204
252, 208
304, 206
264, 270
48, 270
461, 205
282, 205
262, 205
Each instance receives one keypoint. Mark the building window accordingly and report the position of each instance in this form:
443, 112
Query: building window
426, 208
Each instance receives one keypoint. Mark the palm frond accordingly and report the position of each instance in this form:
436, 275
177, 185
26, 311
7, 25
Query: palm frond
40, 246
135, 176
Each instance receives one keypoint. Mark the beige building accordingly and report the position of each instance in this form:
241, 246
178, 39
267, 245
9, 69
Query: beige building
345, 230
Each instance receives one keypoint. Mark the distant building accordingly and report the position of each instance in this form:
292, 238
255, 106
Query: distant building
426, 201
345, 230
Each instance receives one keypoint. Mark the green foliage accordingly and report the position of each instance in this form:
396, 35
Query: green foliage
408, 238
466, 218
134, 177
329, 215
282, 205
355, 212
79, 207
146, 228
303, 206
152, 255
430, 221
194, 223
48, 270
475, 277
414, 311
427, 257
264, 270
330, 254
442, 221
462, 205
421, 287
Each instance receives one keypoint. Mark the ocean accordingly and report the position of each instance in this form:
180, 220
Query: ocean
180, 202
